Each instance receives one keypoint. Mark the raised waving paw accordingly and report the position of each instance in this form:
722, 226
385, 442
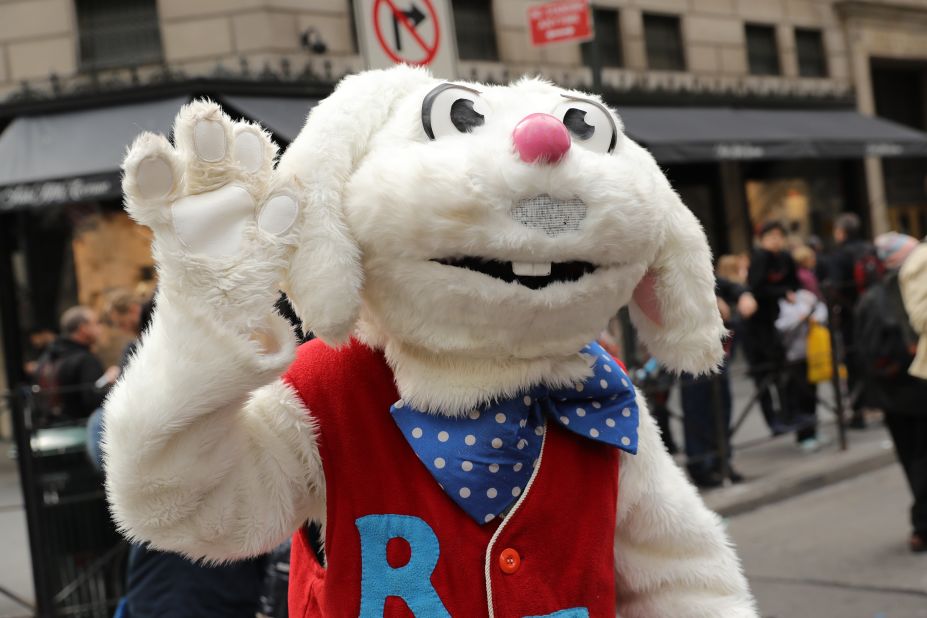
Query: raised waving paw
223, 221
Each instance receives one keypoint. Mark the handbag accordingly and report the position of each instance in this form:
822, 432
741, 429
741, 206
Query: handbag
820, 361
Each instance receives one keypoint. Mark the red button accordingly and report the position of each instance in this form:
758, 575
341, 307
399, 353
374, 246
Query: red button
509, 561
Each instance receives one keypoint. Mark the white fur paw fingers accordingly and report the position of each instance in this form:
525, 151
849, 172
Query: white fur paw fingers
279, 213
151, 178
203, 135
253, 150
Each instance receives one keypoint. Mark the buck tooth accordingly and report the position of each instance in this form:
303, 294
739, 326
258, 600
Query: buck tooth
531, 269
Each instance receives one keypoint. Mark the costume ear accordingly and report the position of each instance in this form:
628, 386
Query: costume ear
325, 274
674, 306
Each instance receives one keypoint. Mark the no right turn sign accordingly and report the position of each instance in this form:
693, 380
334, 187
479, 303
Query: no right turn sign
416, 32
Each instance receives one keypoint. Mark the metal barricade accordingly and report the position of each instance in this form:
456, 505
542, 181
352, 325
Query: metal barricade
78, 557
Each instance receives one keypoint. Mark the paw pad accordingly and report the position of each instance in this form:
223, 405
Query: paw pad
154, 178
209, 140
278, 214
249, 151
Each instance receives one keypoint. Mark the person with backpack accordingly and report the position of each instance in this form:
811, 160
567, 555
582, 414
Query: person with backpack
886, 342
852, 268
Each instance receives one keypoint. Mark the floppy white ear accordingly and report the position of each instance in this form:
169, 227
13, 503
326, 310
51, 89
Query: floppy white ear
325, 275
674, 307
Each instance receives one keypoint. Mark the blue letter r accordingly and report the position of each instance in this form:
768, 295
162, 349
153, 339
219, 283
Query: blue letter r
410, 582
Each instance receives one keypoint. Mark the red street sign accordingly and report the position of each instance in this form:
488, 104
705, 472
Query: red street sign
559, 21
399, 35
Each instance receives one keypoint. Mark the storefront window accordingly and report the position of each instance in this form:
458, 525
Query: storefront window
805, 195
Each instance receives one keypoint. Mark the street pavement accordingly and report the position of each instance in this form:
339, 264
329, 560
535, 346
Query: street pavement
838, 552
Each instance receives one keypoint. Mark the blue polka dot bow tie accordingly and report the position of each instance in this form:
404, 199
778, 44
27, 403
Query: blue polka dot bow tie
484, 460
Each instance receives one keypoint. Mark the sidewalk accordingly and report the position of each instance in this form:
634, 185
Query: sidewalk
778, 470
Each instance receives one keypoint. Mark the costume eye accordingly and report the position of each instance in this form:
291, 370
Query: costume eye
590, 124
450, 109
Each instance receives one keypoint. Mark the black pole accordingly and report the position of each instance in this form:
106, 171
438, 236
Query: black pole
721, 425
13, 362
9, 310
836, 354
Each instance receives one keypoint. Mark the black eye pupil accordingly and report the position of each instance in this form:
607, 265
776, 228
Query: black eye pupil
575, 121
464, 117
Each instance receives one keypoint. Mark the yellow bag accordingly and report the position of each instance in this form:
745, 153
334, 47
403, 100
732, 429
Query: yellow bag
820, 361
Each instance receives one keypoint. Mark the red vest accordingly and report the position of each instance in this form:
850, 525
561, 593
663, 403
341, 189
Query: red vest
554, 551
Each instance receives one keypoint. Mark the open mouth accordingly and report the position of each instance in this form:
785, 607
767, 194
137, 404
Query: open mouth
532, 275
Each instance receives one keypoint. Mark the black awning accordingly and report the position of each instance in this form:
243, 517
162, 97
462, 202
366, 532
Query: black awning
690, 134
74, 156
284, 117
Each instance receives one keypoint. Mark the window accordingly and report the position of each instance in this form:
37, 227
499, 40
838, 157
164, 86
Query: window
476, 32
762, 51
812, 62
607, 42
118, 33
663, 38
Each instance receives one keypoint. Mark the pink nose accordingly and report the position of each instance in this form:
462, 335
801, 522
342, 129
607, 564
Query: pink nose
541, 138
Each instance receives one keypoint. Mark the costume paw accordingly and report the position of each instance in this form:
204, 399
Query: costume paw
222, 219
205, 191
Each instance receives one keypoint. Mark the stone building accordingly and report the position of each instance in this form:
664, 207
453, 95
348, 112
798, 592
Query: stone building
710, 68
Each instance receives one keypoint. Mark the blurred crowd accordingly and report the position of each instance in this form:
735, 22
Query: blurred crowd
802, 317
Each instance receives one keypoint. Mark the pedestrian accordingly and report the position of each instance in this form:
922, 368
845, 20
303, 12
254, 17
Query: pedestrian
887, 341
800, 395
913, 278
130, 314
806, 269
772, 277
913, 283
852, 267
656, 383
40, 338
731, 279
72, 376
706, 400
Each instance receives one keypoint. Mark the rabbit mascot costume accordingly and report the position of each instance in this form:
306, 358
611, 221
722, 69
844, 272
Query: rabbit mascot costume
465, 448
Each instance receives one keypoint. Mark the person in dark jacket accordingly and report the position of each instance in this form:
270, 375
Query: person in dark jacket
849, 270
888, 351
80, 380
772, 277
704, 397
